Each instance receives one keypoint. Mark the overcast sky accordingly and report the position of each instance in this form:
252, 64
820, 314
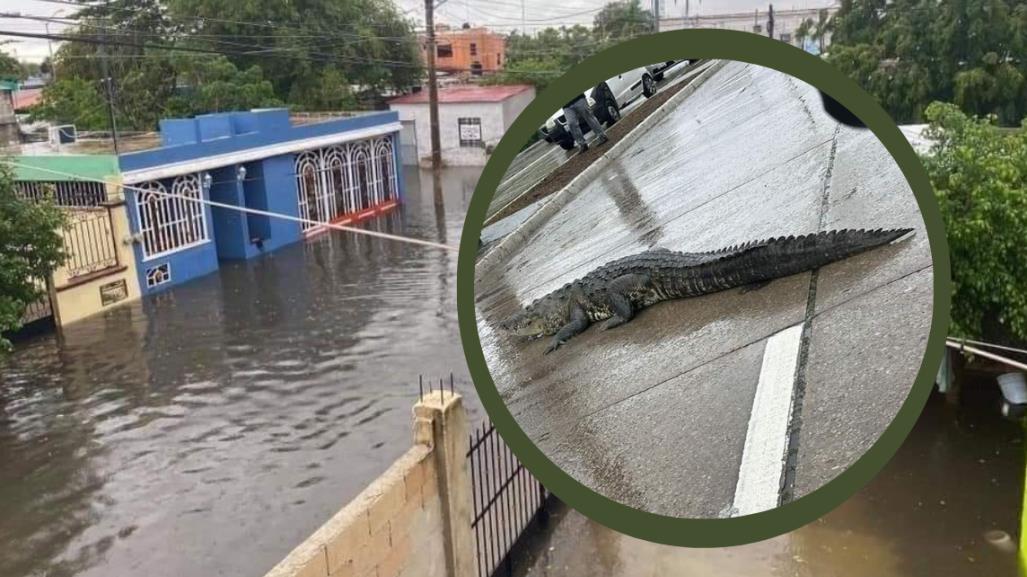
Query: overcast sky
502, 15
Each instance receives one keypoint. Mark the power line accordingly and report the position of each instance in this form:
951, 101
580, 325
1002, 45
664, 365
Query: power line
243, 209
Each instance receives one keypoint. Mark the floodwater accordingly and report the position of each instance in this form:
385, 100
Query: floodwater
209, 430
930, 513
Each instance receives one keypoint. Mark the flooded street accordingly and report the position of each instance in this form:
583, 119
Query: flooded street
927, 514
211, 429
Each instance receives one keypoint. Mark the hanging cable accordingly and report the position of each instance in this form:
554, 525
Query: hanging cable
246, 210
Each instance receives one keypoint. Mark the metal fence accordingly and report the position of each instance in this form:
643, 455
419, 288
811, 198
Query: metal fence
40, 309
64, 193
89, 242
506, 499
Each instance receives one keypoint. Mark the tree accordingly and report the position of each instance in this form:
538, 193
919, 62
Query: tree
9, 67
621, 20
822, 28
31, 247
366, 41
979, 173
802, 32
207, 83
72, 101
971, 52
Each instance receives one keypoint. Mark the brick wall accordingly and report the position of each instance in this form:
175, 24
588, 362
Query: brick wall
401, 524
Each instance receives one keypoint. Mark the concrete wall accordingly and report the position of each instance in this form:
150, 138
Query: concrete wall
78, 298
413, 520
495, 117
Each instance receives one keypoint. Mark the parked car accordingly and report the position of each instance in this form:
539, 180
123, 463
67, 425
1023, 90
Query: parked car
606, 101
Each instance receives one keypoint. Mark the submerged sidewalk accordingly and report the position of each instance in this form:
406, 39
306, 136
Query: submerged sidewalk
927, 514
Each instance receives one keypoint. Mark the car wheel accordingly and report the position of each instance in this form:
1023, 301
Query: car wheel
648, 86
611, 111
567, 144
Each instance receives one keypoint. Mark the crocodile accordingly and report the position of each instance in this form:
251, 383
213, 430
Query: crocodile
617, 290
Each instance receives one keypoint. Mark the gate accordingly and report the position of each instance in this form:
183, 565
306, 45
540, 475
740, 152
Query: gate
89, 242
507, 498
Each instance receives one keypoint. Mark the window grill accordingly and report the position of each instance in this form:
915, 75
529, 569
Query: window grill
171, 223
63, 193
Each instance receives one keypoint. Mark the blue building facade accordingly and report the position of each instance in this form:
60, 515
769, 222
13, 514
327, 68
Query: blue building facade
184, 198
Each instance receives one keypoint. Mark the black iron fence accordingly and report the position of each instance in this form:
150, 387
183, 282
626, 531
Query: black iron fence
506, 497
64, 193
89, 242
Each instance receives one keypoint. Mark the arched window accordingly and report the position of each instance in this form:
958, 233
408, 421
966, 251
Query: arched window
170, 222
306, 188
386, 164
364, 173
336, 165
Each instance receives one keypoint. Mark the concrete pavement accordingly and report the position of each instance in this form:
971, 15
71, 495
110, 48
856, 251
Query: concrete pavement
656, 414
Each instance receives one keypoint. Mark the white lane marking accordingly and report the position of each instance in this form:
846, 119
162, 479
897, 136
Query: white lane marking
766, 442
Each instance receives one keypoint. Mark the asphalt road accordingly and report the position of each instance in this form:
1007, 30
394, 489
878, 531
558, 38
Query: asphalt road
658, 413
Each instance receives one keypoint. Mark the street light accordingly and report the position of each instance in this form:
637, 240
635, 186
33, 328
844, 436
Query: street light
49, 44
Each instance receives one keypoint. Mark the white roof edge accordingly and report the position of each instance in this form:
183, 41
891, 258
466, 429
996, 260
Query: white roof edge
251, 154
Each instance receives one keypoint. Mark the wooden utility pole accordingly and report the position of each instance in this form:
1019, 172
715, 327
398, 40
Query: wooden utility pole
433, 101
770, 22
108, 89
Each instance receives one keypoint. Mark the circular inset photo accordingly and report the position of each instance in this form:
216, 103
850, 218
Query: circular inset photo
704, 292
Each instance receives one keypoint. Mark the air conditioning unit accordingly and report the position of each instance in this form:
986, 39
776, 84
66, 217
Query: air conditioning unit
63, 134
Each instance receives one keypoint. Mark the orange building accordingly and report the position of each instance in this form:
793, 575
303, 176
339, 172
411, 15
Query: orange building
468, 49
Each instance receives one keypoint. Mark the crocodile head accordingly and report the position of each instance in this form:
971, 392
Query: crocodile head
543, 317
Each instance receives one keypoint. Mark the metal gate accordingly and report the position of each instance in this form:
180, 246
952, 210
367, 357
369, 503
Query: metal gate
506, 497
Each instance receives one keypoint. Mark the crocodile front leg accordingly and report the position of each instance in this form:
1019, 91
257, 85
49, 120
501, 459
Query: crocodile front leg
617, 294
578, 323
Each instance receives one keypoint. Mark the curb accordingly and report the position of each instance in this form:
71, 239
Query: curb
516, 239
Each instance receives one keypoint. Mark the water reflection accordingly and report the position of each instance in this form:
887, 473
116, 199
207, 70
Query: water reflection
209, 430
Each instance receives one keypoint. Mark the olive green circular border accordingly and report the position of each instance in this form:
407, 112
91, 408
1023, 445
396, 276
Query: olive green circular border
727, 45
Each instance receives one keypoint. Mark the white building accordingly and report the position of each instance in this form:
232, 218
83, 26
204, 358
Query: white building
472, 120
786, 22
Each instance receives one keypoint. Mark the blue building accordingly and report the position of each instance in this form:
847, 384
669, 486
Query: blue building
337, 171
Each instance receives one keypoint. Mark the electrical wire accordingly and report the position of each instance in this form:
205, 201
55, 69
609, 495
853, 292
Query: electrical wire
246, 210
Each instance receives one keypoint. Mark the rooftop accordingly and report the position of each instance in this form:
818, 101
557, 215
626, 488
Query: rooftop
466, 93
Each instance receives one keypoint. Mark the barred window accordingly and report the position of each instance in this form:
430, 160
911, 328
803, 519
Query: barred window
171, 223
470, 131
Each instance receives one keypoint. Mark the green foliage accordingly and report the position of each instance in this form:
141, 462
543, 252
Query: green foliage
979, 173
158, 87
9, 67
213, 84
30, 248
367, 41
72, 101
623, 19
546, 55
909, 53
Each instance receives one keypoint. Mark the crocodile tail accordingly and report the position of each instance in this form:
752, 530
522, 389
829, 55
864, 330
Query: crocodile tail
816, 250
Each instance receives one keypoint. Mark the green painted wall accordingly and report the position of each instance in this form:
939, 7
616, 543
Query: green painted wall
85, 166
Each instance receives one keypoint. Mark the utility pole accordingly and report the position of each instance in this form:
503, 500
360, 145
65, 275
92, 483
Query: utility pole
656, 15
433, 102
108, 89
770, 22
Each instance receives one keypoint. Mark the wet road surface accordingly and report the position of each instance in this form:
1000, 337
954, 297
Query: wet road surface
209, 430
749, 155
927, 514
